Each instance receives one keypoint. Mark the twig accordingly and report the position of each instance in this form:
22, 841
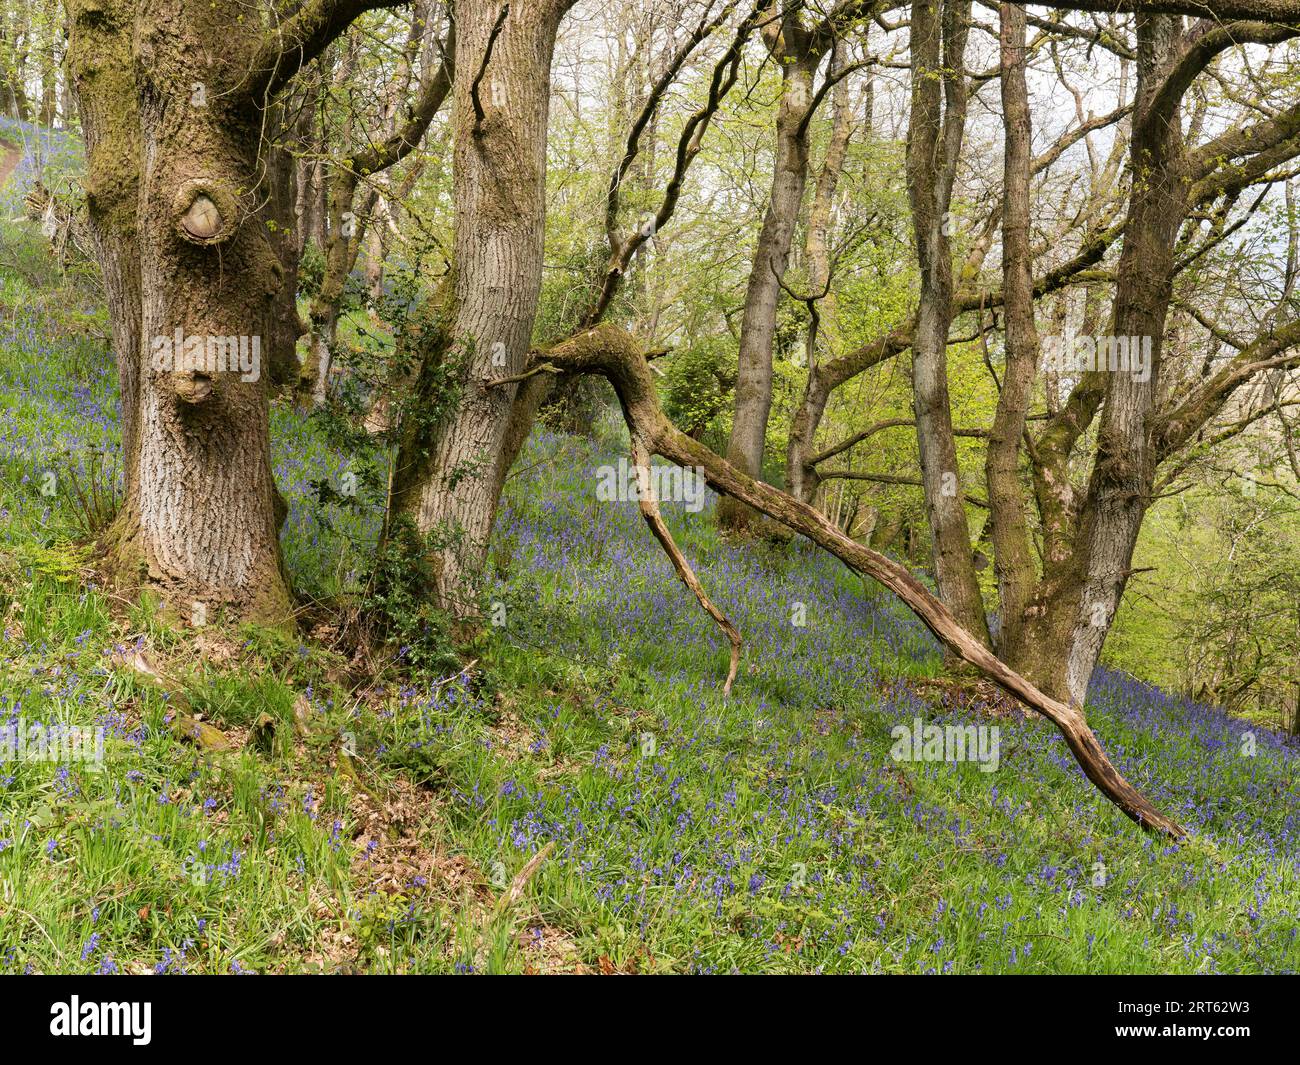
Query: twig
522, 877
497, 382
479, 113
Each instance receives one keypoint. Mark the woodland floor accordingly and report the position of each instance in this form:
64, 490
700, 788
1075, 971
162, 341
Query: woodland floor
771, 832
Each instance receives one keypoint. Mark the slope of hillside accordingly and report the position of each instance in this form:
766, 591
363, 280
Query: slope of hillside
384, 823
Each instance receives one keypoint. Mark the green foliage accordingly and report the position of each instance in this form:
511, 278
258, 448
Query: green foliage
1213, 609
397, 604
698, 385
311, 270
62, 563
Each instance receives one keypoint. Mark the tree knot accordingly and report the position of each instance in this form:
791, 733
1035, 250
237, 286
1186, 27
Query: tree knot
204, 212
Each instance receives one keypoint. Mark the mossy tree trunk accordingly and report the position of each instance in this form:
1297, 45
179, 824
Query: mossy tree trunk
938, 118
174, 101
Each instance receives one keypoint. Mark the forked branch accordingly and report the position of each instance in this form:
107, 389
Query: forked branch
614, 354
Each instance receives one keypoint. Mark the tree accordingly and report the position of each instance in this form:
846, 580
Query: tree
448, 477
939, 100
798, 51
173, 105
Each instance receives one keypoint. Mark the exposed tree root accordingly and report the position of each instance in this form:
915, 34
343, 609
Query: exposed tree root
614, 354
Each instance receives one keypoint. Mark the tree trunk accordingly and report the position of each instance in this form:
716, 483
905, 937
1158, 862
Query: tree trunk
800, 474
753, 402
279, 197
1119, 490
200, 526
173, 105
1008, 505
800, 477
99, 71
933, 147
341, 247
311, 209
447, 478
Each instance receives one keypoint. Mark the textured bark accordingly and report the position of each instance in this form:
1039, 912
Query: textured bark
176, 158
798, 55
1119, 490
447, 478
801, 477
609, 351
310, 182
1041, 650
201, 524
1008, 526
279, 196
817, 240
933, 147
99, 70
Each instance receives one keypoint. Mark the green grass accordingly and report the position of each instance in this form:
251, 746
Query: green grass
770, 832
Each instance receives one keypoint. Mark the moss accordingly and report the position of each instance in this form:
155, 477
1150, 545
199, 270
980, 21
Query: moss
101, 64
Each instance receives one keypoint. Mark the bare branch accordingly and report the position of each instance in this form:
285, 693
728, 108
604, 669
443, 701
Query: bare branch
479, 114
650, 511
299, 39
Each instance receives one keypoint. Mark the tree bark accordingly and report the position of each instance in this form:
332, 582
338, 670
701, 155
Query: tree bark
1008, 505
1119, 490
200, 526
99, 70
791, 46
173, 103
279, 196
801, 477
447, 478
933, 148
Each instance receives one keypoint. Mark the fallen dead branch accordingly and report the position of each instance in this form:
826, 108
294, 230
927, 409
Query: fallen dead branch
183, 723
614, 354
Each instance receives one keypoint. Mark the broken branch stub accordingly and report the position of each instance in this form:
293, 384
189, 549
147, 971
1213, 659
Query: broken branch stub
205, 212
614, 354
202, 221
